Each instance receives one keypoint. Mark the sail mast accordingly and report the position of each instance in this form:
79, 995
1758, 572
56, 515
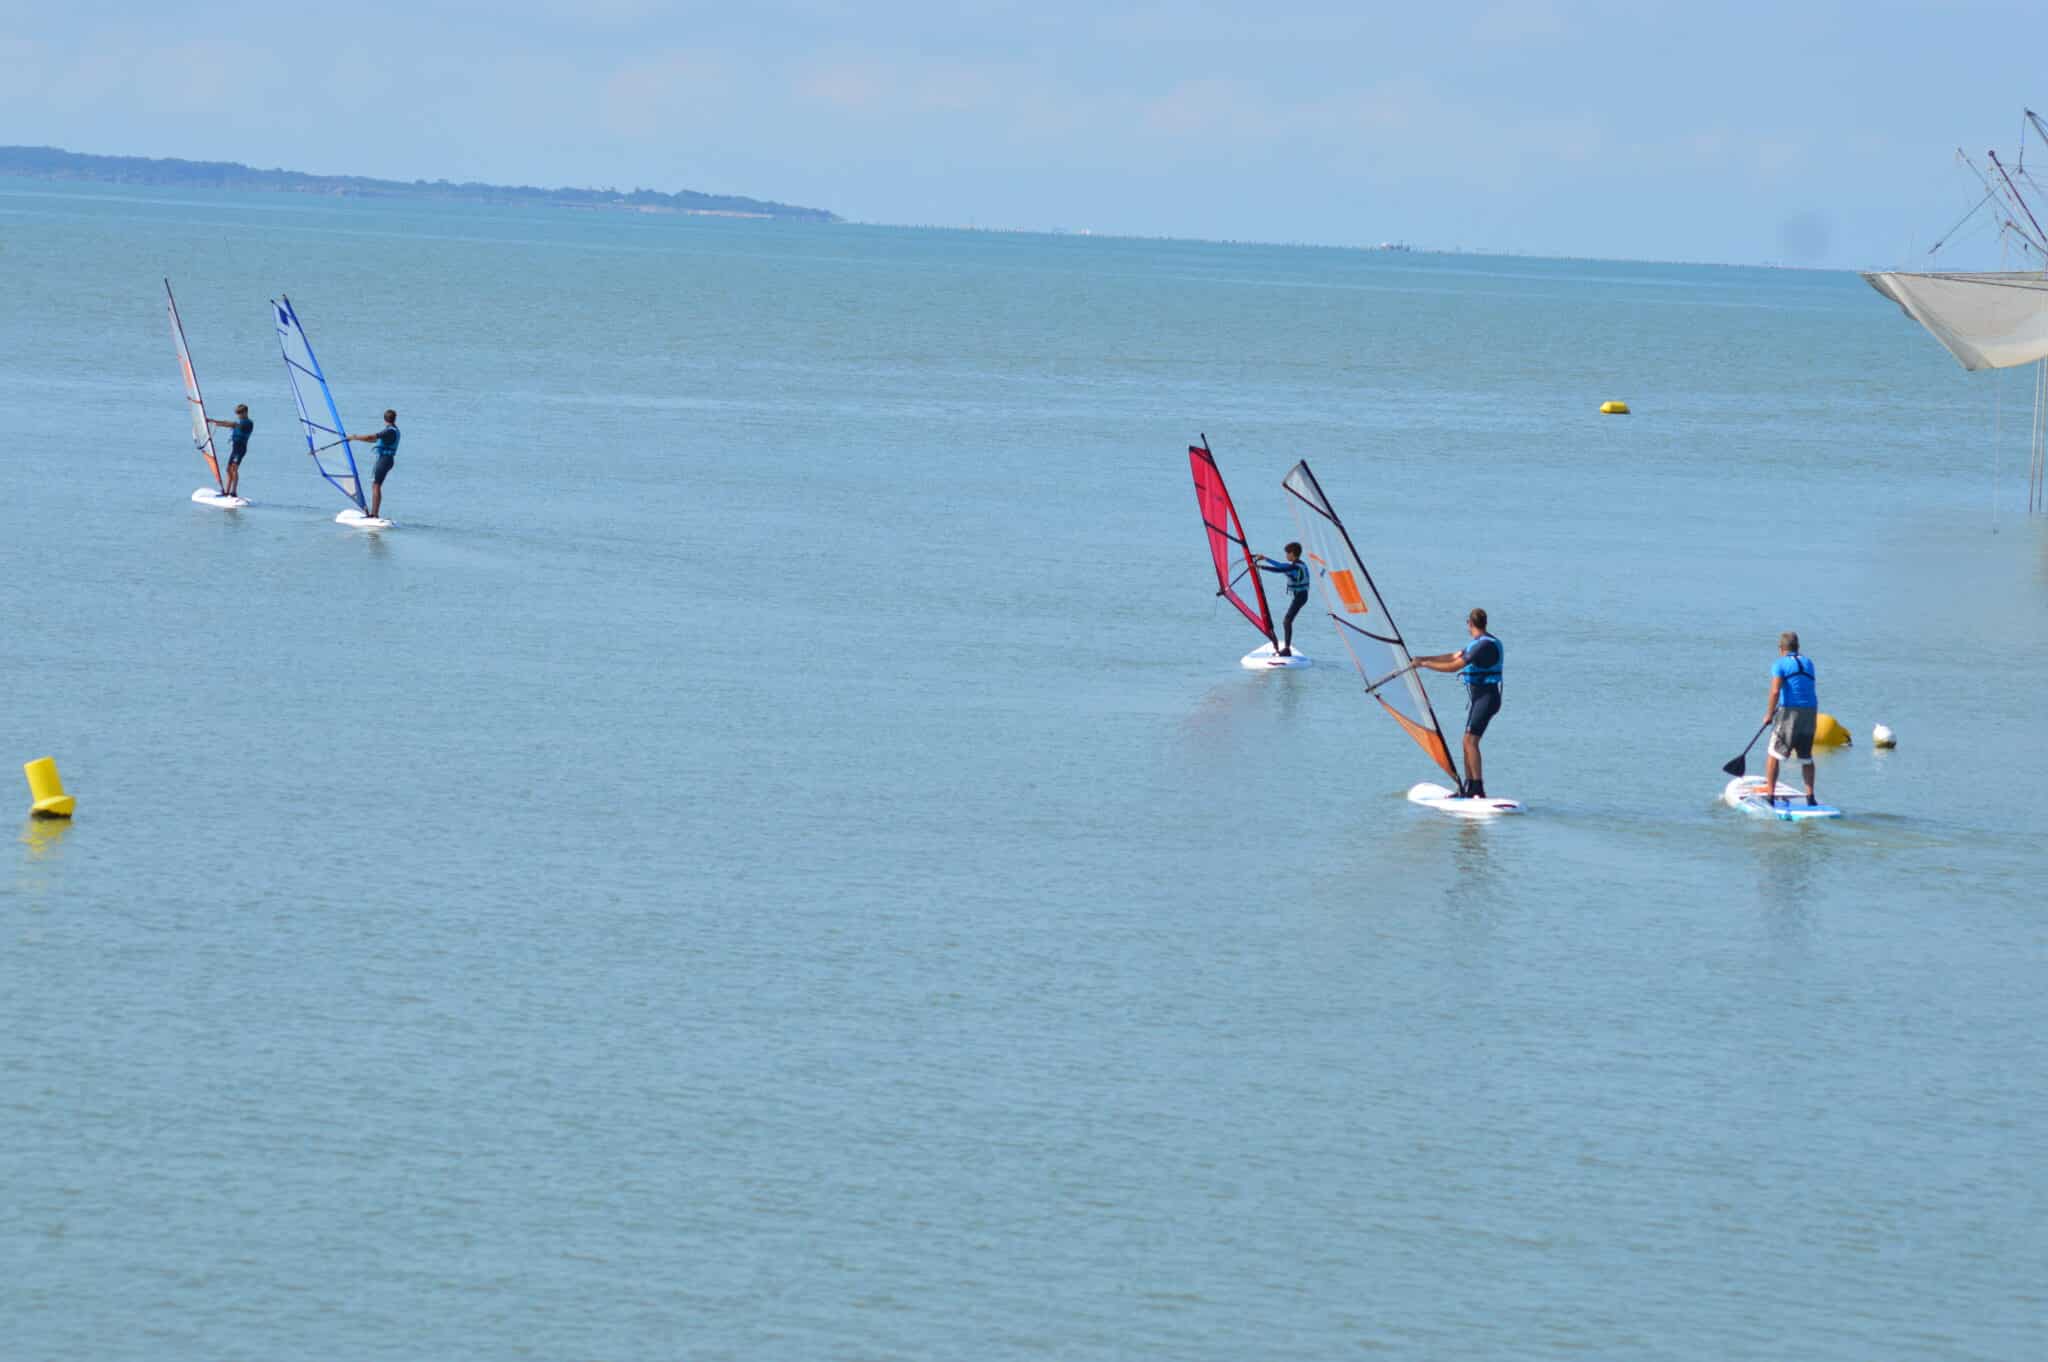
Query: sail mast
2013, 192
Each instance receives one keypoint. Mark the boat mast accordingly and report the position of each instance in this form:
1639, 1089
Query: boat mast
2019, 201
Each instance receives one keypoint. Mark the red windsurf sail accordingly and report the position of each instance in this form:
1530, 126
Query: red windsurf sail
1226, 541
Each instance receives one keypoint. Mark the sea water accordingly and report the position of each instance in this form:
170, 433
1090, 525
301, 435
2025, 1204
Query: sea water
775, 857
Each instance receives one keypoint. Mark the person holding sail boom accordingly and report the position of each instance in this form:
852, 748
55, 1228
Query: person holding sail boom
1296, 573
386, 441
1478, 665
238, 444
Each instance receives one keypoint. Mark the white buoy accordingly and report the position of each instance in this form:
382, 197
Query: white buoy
1883, 737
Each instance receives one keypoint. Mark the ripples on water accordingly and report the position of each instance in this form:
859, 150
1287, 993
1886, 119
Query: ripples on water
776, 857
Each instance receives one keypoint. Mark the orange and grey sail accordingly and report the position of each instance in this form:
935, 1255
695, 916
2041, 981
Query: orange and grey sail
1368, 631
202, 432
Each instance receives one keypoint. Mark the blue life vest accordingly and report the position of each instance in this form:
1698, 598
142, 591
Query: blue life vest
1472, 674
1297, 578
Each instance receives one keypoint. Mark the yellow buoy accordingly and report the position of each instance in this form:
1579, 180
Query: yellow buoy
46, 788
1828, 733
1614, 408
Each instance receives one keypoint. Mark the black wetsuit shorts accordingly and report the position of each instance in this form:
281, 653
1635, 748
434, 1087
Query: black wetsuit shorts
1484, 704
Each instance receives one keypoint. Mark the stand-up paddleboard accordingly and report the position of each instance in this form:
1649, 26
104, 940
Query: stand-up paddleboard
1787, 803
1369, 635
1227, 550
1455, 804
1267, 657
325, 435
195, 405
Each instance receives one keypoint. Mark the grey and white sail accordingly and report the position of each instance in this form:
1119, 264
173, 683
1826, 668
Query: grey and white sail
1992, 319
1987, 320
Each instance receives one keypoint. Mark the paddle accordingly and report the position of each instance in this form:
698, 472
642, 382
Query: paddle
1740, 766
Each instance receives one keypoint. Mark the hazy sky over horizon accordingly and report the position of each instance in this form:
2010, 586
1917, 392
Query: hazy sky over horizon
1820, 134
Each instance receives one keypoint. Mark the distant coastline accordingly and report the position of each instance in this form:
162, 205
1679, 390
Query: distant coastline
52, 163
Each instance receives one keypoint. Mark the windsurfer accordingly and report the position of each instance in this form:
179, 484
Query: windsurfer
1795, 707
1296, 573
1478, 665
386, 441
238, 443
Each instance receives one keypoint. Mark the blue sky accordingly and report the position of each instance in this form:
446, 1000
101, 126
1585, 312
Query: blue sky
1806, 134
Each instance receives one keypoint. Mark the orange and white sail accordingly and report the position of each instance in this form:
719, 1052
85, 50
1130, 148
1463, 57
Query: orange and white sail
1368, 631
202, 432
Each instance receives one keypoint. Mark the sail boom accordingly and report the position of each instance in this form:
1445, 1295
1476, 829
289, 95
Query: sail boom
1373, 687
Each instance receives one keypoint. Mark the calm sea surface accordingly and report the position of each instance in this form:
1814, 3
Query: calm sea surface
775, 858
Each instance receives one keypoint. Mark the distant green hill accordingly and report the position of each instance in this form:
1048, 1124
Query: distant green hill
50, 163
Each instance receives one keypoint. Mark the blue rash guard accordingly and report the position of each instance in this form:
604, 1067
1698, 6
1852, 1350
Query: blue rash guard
1295, 573
238, 439
1795, 682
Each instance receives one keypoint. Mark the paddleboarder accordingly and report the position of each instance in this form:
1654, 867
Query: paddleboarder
1792, 711
1478, 665
238, 443
1296, 573
386, 441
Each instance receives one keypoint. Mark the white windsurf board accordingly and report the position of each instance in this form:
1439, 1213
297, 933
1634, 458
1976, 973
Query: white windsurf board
1436, 797
1265, 657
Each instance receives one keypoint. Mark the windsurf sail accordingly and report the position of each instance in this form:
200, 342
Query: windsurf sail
202, 432
1363, 623
1227, 542
326, 440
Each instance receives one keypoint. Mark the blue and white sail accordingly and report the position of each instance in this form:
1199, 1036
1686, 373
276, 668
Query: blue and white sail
326, 440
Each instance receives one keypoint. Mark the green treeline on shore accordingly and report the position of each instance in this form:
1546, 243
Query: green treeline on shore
52, 163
